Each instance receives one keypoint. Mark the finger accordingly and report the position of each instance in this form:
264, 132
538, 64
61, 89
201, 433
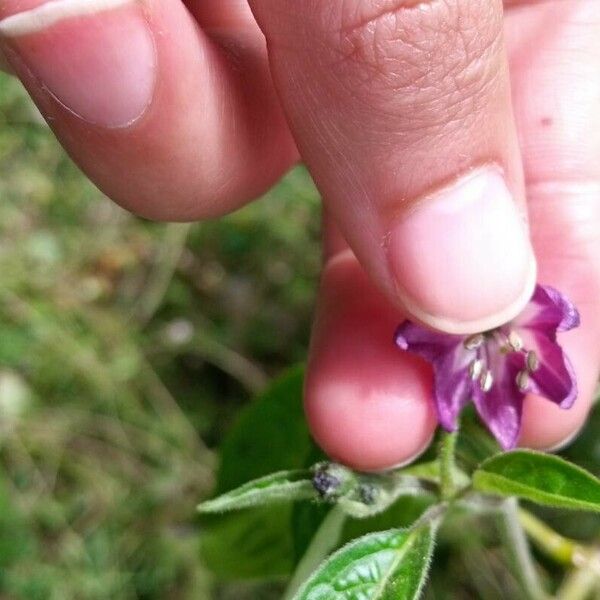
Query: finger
368, 405
556, 103
402, 111
570, 261
168, 121
4, 66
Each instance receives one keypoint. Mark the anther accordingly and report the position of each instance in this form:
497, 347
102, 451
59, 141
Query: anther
486, 381
533, 361
515, 341
473, 341
522, 380
475, 369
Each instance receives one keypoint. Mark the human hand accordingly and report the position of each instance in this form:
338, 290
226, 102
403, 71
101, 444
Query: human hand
403, 113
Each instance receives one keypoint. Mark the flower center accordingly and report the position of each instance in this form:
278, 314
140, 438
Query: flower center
506, 342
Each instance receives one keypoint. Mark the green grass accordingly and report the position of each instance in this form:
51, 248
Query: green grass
126, 349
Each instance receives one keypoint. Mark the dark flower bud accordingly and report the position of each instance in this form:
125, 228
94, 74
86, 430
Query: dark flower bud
368, 493
331, 480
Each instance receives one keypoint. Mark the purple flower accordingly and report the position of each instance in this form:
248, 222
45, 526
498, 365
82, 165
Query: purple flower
495, 369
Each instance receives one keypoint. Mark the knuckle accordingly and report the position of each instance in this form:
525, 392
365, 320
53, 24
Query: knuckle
428, 63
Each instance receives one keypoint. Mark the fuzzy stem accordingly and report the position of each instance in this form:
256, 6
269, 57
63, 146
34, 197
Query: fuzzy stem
323, 542
517, 548
557, 547
447, 465
579, 585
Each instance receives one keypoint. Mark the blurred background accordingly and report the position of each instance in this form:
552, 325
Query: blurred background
130, 352
126, 350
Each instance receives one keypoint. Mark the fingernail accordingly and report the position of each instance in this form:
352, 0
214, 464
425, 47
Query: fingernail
462, 258
97, 58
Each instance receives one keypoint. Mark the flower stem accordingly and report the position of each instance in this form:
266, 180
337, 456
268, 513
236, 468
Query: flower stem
517, 548
557, 547
447, 465
323, 542
579, 585
584, 577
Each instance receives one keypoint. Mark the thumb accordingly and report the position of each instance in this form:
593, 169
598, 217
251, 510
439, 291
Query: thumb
401, 110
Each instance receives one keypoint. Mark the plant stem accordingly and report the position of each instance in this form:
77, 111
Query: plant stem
324, 541
560, 549
433, 515
578, 585
447, 465
585, 576
517, 548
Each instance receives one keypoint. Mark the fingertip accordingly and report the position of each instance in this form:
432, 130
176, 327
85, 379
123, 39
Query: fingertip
546, 426
370, 426
368, 405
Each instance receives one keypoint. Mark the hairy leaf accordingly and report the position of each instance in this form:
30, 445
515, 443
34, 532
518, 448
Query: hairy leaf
389, 565
250, 544
270, 435
284, 486
540, 478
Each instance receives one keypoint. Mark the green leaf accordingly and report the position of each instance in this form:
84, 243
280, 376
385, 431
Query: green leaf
541, 478
403, 514
284, 486
324, 541
389, 565
307, 518
252, 544
270, 435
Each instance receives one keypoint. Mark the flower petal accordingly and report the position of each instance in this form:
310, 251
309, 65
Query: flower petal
554, 379
501, 408
453, 388
548, 311
450, 361
427, 343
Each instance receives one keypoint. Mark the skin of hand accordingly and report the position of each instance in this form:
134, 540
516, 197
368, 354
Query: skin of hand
456, 144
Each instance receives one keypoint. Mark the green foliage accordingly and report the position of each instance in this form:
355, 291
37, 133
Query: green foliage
541, 478
127, 349
128, 354
389, 565
269, 435
284, 486
250, 545
403, 513
366, 505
